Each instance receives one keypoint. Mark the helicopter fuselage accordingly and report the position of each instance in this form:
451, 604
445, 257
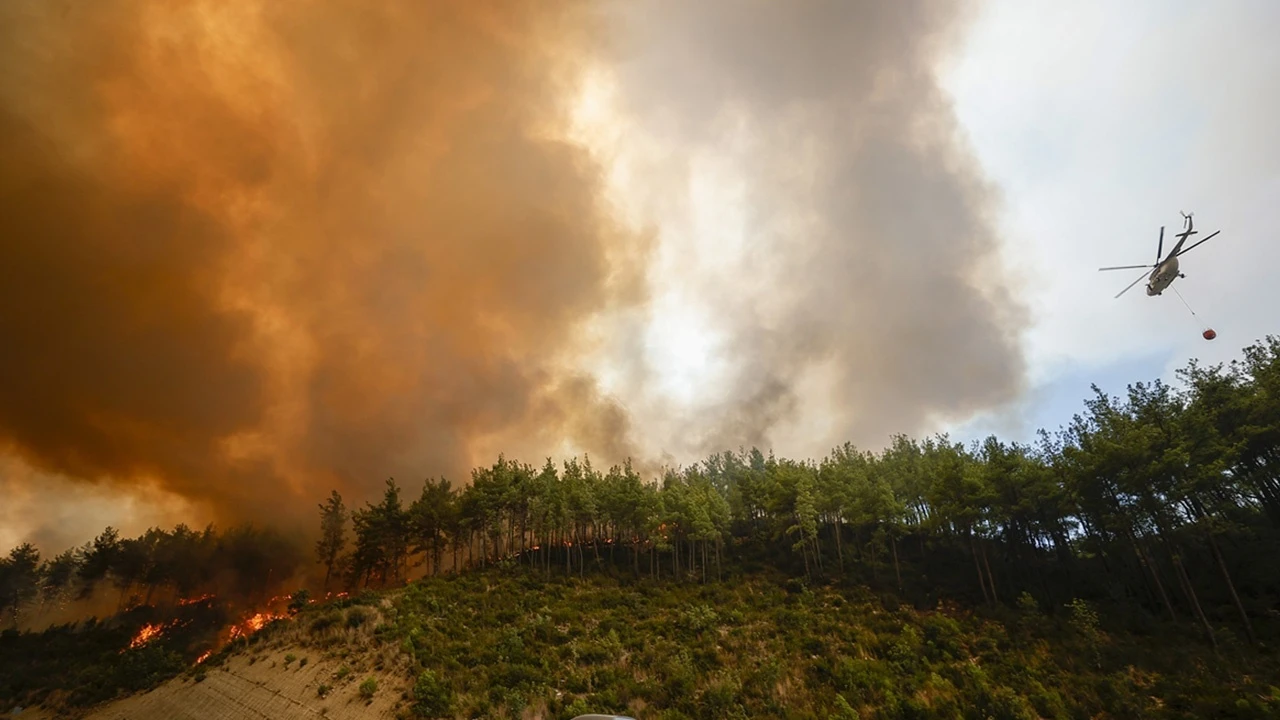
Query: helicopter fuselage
1164, 275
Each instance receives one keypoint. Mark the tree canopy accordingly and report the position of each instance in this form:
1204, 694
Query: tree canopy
1165, 500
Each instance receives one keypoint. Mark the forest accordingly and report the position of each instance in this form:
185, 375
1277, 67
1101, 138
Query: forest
1165, 501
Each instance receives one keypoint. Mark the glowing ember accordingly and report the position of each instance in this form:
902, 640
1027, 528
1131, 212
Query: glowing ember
204, 657
194, 600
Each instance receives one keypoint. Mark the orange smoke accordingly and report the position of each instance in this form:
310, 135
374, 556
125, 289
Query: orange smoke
250, 251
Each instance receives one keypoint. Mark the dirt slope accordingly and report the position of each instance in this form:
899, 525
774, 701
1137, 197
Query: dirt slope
263, 689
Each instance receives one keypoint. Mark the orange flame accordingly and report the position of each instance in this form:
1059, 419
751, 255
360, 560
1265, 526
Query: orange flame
194, 600
253, 624
204, 657
146, 634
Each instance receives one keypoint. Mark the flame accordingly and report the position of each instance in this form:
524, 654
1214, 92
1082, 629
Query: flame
194, 600
244, 629
253, 624
146, 634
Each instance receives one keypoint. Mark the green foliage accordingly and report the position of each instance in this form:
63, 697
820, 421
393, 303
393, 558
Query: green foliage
489, 643
1096, 570
431, 697
368, 687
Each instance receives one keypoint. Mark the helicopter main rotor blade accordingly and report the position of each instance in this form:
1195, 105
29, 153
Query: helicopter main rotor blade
1126, 267
1160, 247
1135, 282
1185, 250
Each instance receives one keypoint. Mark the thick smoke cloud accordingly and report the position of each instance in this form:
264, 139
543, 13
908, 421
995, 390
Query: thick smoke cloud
252, 250
865, 277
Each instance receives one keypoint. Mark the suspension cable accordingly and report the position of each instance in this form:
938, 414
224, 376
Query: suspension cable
1186, 305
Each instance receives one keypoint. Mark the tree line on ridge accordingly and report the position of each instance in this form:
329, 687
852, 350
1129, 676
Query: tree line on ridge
1162, 503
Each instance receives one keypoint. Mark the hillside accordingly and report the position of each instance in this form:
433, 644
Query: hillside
1125, 567
503, 643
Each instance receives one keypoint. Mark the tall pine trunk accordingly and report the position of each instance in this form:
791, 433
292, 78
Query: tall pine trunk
839, 549
973, 550
1226, 577
990, 578
893, 543
1195, 601
1145, 560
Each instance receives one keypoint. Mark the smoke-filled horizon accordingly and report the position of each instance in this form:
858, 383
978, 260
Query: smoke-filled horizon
252, 251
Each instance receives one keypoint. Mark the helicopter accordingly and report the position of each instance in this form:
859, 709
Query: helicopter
1165, 270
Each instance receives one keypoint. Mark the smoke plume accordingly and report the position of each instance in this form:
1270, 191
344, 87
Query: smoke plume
251, 250
864, 276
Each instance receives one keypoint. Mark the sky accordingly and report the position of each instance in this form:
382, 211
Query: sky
1100, 122
251, 252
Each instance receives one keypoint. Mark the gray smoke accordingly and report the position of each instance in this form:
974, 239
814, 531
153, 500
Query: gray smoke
869, 230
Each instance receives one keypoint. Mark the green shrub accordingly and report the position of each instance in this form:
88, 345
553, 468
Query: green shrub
368, 687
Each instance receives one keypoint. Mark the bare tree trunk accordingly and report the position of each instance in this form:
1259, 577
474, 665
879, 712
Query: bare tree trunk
990, 578
704, 561
839, 549
1226, 576
973, 550
893, 543
1145, 559
1195, 601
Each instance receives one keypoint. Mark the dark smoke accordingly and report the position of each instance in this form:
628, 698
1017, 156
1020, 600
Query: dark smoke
251, 250
870, 227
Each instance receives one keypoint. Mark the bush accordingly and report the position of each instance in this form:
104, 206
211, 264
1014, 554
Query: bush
368, 687
326, 621
323, 690
357, 616
432, 698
